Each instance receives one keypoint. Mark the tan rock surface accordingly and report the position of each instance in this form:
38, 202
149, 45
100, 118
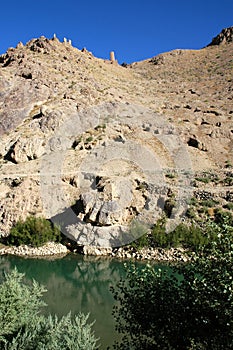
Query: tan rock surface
46, 83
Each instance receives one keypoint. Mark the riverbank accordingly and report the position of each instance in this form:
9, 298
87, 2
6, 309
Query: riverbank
127, 252
146, 253
48, 249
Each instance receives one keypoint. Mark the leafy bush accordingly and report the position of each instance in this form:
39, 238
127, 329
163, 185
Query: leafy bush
209, 203
169, 206
189, 306
18, 303
34, 232
23, 328
205, 180
159, 237
141, 242
186, 236
229, 180
139, 231
183, 236
171, 175
193, 201
189, 236
49, 333
229, 206
207, 177
224, 218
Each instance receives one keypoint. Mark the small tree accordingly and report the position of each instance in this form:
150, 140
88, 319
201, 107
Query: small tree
18, 303
49, 333
23, 328
186, 306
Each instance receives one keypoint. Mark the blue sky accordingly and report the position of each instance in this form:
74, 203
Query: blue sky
134, 29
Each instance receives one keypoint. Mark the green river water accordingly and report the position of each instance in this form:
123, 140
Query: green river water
75, 283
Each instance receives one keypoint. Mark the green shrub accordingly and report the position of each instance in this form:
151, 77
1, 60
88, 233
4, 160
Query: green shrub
159, 237
207, 177
228, 180
205, 180
183, 236
141, 242
22, 327
229, 206
189, 237
89, 139
192, 236
223, 218
193, 201
18, 303
209, 203
191, 213
171, 175
34, 232
169, 206
140, 232
49, 333
189, 306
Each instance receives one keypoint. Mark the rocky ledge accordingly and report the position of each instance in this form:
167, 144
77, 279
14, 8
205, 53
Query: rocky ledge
156, 254
49, 249
127, 252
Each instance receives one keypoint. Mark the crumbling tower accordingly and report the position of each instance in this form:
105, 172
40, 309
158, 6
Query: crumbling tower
112, 56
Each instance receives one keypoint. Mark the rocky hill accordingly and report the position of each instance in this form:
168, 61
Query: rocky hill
112, 142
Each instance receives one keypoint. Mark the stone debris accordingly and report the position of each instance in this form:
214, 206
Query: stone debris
49, 249
155, 254
56, 249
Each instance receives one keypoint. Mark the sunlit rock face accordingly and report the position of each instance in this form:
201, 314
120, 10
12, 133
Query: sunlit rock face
108, 141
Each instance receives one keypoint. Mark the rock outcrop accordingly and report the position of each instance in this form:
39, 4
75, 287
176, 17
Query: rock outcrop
226, 36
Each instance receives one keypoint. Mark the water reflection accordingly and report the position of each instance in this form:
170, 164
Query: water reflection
75, 283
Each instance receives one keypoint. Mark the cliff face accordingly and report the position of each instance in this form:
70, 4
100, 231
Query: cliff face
100, 131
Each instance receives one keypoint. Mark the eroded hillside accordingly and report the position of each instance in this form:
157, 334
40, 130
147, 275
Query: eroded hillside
165, 115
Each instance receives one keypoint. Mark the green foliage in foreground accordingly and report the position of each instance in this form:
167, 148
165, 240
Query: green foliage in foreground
23, 328
18, 303
34, 232
189, 306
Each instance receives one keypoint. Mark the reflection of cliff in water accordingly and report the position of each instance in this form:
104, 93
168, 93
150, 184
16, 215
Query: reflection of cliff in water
75, 283
5, 266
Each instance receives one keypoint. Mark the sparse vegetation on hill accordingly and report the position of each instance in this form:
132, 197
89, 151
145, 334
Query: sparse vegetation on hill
46, 83
196, 232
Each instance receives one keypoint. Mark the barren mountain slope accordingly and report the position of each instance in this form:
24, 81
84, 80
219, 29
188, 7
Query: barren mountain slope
46, 83
195, 89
